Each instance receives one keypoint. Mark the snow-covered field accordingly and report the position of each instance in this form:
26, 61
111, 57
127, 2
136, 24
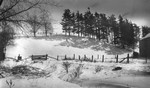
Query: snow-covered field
61, 45
91, 75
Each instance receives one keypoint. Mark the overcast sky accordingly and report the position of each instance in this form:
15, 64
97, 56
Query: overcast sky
138, 11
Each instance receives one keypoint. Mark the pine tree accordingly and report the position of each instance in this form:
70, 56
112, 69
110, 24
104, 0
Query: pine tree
66, 21
114, 28
78, 22
82, 24
73, 25
87, 22
98, 25
121, 31
104, 26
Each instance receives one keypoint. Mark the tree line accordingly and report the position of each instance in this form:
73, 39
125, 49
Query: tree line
119, 31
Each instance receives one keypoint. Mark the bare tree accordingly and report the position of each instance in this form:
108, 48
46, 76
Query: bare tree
46, 22
35, 24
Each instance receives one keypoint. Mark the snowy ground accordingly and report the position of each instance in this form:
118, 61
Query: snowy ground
61, 45
92, 75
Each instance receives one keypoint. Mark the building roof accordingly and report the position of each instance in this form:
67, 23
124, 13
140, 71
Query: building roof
147, 36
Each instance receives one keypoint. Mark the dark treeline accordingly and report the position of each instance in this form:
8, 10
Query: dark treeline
145, 30
118, 31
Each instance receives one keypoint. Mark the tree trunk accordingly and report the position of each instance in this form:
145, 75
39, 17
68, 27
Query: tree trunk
2, 53
65, 32
78, 29
34, 34
69, 32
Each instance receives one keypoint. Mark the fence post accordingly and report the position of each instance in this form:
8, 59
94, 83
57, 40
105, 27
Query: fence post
92, 58
127, 58
65, 57
146, 59
32, 57
46, 56
57, 57
79, 57
117, 59
74, 56
97, 56
103, 58
85, 57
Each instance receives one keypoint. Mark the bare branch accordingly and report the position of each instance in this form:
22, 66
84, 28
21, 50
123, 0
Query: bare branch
20, 12
10, 8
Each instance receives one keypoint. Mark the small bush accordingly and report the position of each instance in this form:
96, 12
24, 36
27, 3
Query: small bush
66, 66
10, 83
78, 70
98, 69
135, 54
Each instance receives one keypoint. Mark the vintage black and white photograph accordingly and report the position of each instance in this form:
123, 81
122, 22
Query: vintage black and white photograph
74, 43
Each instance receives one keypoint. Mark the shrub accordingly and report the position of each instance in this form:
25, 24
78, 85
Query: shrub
10, 83
66, 66
78, 70
98, 69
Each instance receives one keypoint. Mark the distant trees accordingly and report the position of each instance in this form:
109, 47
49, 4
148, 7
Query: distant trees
118, 31
35, 24
46, 22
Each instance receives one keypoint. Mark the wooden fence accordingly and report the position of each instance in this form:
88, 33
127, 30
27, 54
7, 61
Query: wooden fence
92, 58
99, 58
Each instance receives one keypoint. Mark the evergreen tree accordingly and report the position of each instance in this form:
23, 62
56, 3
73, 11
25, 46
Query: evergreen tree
136, 34
98, 25
87, 22
72, 23
66, 21
121, 31
104, 26
77, 22
114, 29
91, 25
82, 24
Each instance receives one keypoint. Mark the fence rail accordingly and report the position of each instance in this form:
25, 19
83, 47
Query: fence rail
85, 58
99, 58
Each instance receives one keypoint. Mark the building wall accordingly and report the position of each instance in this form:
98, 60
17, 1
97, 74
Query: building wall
145, 48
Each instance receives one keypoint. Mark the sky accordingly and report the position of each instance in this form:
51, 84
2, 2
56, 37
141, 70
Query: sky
138, 11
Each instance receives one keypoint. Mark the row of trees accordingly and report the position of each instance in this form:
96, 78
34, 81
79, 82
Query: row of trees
15, 13
97, 25
39, 21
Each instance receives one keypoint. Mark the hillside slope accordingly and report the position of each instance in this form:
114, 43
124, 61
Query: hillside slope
62, 45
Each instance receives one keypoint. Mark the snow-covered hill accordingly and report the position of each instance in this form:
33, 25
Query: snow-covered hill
62, 45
